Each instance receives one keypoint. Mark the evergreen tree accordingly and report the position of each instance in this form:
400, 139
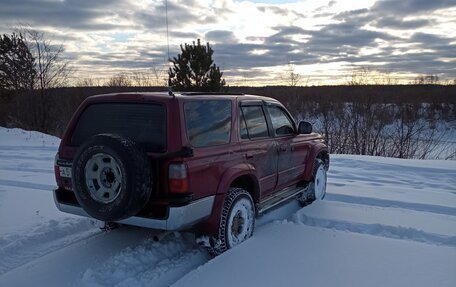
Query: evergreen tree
194, 69
17, 65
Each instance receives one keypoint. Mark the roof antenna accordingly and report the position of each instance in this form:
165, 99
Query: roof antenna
170, 88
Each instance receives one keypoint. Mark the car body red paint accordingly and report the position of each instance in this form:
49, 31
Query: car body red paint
263, 166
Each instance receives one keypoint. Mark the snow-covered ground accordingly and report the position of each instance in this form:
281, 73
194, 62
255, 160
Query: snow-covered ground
384, 222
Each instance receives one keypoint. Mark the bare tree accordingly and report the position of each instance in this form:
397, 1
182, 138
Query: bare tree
359, 76
160, 76
120, 80
427, 80
140, 79
291, 77
88, 82
52, 70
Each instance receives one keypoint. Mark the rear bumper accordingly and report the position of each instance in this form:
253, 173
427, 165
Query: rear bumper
178, 217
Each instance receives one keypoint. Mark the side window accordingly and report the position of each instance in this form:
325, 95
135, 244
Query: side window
280, 121
255, 121
208, 122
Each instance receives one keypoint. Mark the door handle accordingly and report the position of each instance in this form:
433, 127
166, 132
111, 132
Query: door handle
249, 155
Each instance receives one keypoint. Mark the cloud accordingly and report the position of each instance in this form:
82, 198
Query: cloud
180, 14
280, 11
399, 23
442, 47
410, 7
421, 53
274, 9
331, 3
72, 14
334, 36
409, 36
221, 36
185, 35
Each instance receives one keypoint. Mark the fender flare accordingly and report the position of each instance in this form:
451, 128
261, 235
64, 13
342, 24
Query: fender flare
235, 172
317, 150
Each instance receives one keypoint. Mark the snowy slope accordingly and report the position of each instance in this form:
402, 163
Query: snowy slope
384, 222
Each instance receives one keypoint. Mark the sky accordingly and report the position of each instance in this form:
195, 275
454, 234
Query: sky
255, 42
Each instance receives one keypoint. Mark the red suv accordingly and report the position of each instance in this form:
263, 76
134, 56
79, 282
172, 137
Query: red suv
201, 161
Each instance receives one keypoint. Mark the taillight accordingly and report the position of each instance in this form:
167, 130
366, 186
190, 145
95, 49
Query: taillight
62, 170
58, 179
178, 180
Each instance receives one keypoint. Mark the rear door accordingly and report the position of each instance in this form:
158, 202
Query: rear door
259, 148
208, 130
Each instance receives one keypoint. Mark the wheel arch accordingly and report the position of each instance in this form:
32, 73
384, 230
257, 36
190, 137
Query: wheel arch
320, 152
240, 176
249, 183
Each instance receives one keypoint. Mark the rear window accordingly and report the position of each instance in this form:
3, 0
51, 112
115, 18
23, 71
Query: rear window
142, 123
208, 122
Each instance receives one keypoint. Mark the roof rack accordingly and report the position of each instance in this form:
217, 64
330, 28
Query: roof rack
211, 93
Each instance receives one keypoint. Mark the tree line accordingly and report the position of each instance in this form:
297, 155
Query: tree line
406, 121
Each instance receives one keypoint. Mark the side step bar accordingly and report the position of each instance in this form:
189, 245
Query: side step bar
279, 198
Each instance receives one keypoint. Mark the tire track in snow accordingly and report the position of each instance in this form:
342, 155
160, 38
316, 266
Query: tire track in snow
27, 185
390, 222
388, 231
28, 148
27, 157
446, 210
28, 169
162, 263
166, 261
18, 249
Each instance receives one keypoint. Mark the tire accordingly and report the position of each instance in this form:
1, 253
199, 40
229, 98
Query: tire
316, 189
237, 221
112, 177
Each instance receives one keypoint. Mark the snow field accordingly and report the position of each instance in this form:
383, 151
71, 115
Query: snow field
384, 222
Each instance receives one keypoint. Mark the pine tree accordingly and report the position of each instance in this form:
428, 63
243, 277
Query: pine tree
17, 64
194, 69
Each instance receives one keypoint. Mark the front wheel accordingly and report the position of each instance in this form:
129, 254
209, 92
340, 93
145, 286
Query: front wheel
316, 189
320, 179
237, 221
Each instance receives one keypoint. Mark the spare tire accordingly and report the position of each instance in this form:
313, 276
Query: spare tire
112, 177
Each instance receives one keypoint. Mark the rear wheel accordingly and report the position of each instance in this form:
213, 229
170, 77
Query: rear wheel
237, 221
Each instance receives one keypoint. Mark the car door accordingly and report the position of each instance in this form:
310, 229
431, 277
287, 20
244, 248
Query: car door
208, 130
290, 159
258, 146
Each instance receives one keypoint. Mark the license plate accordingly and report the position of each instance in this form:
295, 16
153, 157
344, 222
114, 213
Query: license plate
65, 171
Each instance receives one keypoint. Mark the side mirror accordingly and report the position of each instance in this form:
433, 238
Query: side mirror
305, 127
